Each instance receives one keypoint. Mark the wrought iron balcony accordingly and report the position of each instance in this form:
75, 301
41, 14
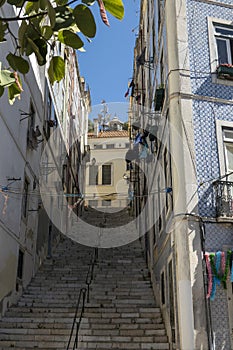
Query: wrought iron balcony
223, 198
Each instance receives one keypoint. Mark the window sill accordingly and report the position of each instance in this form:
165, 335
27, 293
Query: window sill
221, 81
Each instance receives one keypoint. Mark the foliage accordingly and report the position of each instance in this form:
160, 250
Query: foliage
125, 126
43, 23
90, 125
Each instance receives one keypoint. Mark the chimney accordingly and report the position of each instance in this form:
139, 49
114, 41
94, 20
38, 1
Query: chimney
96, 126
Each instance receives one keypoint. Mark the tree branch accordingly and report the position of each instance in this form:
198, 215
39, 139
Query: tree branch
18, 18
21, 8
71, 2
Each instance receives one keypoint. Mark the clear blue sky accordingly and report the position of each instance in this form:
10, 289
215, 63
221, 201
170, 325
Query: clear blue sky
107, 64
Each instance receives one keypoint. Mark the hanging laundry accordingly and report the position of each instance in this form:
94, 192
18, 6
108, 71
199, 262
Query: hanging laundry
127, 93
138, 138
143, 154
209, 273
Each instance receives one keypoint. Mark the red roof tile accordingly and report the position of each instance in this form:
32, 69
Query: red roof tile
110, 134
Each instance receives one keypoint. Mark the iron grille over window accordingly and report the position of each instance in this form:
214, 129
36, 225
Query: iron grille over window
223, 198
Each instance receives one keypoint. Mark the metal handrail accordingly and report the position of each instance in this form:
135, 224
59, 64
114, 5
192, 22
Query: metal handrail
82, 297
82, 293
90, 273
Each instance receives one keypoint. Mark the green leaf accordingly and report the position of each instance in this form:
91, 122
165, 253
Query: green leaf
56, 69
6, 78
32, 7
69, 38
43, 4
2, 2
22, 38
42, 46
39, 47
88, 2
3, 28
64, 18
115, 7
52, 14
61, 2
13, 92
85, 20
18, 63
17, 3
1, 91
47, 32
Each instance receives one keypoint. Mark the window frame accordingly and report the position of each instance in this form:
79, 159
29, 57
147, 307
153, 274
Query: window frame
97, 175
25, 198
220, 126
213, 51
102, 174
20, 264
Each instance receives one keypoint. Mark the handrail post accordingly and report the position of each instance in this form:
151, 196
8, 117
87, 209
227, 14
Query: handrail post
82, 293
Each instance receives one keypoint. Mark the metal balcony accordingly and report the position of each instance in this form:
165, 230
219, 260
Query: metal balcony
223, 198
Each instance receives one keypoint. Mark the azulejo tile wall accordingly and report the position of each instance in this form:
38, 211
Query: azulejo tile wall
205, 114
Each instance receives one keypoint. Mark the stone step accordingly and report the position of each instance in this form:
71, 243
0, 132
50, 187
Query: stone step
122, 339
69, 311
123, 345
121, 313
22, 344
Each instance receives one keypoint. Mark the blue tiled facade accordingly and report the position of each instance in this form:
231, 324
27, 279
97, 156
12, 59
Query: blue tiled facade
205, 114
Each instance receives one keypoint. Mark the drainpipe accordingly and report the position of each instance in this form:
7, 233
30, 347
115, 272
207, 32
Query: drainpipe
176, 32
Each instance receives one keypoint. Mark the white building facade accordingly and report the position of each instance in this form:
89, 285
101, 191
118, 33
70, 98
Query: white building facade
27, 233
183, 92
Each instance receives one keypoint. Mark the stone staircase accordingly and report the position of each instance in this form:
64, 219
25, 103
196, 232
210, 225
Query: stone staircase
120, 315
122, 312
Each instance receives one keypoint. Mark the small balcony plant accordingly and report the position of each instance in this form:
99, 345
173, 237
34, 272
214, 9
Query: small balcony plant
225, 71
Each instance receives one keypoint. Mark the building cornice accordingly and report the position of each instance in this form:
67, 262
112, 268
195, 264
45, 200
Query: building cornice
216, 3
187, 96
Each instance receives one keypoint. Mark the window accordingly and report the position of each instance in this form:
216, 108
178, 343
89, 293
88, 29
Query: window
93, 203
25, 198
106, 174
162, 288
221, 50
32, 136
50, 118
106, 203
93, 175
224, 42
228, 150
98, 146
20, 265
111, 146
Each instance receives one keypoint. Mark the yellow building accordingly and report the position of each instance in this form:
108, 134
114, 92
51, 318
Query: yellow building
105, 183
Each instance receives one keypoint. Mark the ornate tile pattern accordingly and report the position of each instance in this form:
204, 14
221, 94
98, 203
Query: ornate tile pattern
205, 115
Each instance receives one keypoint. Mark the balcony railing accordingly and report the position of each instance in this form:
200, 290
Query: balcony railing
224, 198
